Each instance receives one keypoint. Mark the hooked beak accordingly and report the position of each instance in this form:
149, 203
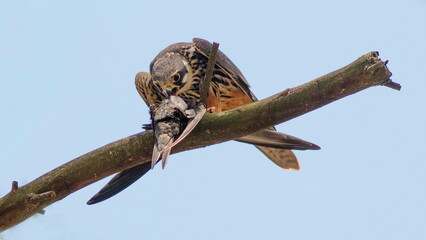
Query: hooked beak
170, 91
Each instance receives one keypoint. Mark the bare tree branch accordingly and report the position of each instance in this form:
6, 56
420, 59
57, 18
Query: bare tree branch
23, 202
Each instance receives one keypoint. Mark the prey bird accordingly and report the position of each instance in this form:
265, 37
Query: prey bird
177, 71
172, 121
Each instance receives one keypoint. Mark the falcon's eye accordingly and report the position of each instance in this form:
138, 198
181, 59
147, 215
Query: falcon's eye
176, 77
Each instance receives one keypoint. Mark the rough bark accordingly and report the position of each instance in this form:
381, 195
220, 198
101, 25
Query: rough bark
23, 202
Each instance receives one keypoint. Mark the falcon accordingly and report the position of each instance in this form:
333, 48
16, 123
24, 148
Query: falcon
177, 71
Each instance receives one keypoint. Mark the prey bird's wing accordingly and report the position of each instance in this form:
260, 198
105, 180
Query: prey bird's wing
191, 124
120, 181
274, 139
200, 110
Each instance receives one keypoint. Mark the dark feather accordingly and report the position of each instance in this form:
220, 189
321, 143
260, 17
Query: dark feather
273, 139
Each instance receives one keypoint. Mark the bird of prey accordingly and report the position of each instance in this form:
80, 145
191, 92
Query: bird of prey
177, 71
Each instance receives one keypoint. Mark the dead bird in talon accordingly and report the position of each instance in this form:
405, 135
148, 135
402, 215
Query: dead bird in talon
172, 121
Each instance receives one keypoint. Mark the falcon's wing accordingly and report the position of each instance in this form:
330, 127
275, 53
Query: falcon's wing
147, 90
122, 180
282, 156
274, 139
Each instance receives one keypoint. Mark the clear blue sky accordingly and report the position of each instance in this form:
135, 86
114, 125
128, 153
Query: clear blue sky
67, 87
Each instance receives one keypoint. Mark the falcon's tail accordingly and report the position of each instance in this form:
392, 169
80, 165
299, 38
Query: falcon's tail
284, 158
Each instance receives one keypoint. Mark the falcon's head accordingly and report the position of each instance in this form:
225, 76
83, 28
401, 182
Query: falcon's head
170, 73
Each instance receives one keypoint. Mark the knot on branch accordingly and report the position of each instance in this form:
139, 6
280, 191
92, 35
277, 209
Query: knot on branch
14, 186
35, 198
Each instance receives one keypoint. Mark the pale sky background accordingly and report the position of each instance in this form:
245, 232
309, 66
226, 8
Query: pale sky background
67, 87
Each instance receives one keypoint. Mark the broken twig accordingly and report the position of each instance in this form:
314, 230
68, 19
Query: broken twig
205, 83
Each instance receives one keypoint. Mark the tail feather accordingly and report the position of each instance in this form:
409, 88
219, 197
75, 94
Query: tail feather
284, 158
